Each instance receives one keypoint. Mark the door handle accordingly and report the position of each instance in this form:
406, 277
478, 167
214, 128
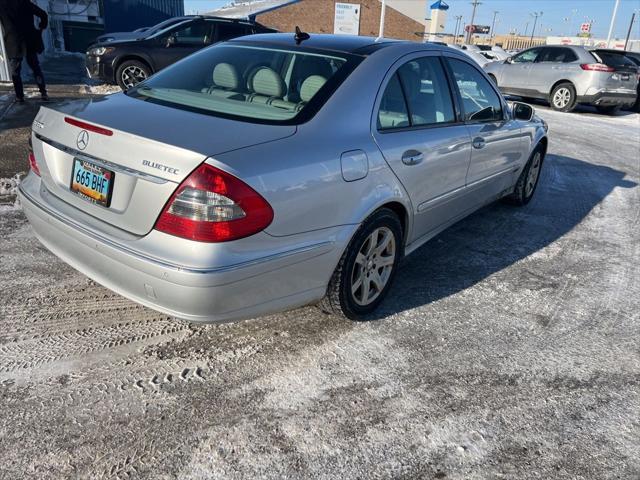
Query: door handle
478, 142
412, 157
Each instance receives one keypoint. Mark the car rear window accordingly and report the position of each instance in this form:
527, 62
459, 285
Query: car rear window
260, 84
614, 60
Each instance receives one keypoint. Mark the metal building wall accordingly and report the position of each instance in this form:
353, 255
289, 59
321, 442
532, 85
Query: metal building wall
128, 15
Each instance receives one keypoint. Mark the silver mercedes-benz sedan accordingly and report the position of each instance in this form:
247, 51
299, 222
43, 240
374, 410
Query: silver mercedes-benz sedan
275, 171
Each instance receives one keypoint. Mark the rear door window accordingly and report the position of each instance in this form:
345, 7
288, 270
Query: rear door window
557, 55
393, 112
229, 30
427, 92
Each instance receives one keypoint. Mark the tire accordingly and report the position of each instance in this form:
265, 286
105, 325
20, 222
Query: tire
563, 97
528, 179
608, 110
358, 264
131, 72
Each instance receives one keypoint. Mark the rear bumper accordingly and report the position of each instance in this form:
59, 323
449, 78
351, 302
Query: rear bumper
263, 285
608, 98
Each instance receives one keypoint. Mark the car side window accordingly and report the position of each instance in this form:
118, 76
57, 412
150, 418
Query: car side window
427, 92
198, 33
226, 31
393, 108
557, 55
527, 56
480, 101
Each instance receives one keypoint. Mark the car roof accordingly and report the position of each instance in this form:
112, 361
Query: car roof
352, 44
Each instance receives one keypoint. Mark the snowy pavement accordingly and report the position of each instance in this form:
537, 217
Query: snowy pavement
509, 348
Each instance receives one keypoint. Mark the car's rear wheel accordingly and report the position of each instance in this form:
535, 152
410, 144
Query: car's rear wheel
563, 97
608, 110
132, 72
528, 180
367, 268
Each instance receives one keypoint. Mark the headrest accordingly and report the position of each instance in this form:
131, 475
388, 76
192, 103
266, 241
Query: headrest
310, 87
225, 75
267, 82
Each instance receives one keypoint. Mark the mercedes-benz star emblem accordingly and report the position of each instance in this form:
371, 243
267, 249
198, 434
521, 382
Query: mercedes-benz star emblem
83, 140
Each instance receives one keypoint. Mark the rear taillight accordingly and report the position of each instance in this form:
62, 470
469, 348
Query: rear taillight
33, 164
597, 67
213, 206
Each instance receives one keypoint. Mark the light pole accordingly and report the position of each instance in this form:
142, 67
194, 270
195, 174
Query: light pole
535, 16
458, 23
475, 4
526, 29
382, 12
613, 21
626, 41
493, 23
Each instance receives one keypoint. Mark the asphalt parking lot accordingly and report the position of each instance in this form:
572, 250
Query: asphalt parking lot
509, 348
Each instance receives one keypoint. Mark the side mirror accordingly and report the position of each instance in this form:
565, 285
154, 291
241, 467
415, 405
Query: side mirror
171, 40
509, 60
522, 111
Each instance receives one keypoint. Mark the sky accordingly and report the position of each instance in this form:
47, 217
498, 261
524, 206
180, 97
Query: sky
559, 17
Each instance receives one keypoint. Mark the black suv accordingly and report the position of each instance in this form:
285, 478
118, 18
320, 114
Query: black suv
130, 61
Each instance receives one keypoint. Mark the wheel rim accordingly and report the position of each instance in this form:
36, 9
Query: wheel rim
133, 75
534, 172
373, 266
562, 97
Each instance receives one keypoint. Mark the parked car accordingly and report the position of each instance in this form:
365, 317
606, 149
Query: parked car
127, 62
270, 172
476, 55
613, 57
143, 32
567, 76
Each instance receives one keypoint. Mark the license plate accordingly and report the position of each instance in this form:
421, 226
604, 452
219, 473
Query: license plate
624, 77
92, 182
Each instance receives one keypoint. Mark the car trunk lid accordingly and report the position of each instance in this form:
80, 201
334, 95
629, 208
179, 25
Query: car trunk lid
149, 149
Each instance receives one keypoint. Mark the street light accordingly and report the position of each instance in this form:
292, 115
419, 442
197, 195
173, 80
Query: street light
535, 16
493, 23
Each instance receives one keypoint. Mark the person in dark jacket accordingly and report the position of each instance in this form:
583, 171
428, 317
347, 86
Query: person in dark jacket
22, 40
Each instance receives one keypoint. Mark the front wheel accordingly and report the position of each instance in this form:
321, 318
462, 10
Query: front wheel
131, 73
367, 268
528, 180
563, 97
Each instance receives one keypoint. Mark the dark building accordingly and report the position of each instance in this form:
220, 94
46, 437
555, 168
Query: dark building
129, 15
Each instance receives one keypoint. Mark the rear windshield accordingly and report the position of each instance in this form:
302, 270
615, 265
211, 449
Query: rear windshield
614, 60
248, 82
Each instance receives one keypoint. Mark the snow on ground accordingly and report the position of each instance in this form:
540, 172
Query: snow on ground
103, 89
8, 192
508, 348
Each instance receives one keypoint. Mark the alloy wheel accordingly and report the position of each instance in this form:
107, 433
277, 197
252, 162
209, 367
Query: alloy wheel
132, 75
534, 172
562, 97
373, 266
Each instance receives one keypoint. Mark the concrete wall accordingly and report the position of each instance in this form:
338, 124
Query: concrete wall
316, 16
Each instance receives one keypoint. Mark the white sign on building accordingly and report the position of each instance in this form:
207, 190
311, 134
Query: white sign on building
347, 19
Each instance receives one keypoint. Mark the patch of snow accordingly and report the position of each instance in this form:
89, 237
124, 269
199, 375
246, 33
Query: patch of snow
9, 186
103, 89
8, 190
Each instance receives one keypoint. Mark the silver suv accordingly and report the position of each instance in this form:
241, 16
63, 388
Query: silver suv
567, 76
